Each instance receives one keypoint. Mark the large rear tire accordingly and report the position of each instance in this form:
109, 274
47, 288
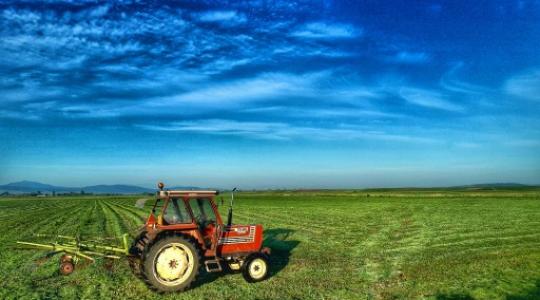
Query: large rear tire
171, 264
136, 252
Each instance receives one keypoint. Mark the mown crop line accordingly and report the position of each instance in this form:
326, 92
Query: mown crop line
451, 253
457, 238
313, 228
16, 210
136, 214
43, 226
116, 225
471, 242
130, 223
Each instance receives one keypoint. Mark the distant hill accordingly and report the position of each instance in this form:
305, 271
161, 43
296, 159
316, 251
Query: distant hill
27, 187
187, 188
24, 187
116, 189
493, 185
32, 186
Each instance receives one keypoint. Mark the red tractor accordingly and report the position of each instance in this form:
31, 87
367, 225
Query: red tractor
185, 232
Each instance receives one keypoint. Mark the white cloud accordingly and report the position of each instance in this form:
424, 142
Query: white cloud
320, 30
198, 95
29, 92
310, 50
450, 82
406, 57
220, 65
8, 114
99, 11
282, 131
322, 87
322, 113
526, 85
21, 15
221, 16
41, 106
427, 98
265, 86
224, 127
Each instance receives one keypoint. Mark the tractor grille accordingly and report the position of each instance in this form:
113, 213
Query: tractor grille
241, 239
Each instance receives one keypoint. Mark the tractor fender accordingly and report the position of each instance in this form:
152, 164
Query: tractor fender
166, 233
266, 251
267, 256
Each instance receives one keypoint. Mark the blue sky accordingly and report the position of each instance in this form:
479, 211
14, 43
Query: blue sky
270, 94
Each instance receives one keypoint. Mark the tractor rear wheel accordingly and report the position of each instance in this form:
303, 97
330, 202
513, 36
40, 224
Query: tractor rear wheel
255, 268
171, 264
136, 253
135, 266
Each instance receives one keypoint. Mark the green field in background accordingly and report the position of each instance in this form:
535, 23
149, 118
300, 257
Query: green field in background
395, 244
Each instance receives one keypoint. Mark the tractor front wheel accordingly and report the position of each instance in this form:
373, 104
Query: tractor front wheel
171, 264
255, 268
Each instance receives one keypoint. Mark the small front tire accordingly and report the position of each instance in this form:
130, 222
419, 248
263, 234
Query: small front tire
255, 268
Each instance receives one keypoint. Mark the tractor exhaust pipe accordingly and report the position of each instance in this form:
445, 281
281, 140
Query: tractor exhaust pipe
229, 217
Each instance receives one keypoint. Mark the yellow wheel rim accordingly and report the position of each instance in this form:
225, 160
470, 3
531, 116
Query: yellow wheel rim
173, 264
257, 268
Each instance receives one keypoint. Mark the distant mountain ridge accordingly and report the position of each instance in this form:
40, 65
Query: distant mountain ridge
493, 185
32, 187
27, 187
22, 187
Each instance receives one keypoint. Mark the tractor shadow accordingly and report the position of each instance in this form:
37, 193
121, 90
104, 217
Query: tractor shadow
278, 239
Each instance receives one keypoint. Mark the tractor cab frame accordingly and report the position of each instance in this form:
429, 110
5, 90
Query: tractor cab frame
189, 212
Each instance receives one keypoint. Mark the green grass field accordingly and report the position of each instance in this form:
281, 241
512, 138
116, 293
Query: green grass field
399, 244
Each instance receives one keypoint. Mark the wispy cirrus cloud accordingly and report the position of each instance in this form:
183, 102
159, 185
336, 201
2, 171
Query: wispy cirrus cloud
264, 86
322, 30
526, 85
221, 16
281, 89
407, 57
27, 116
451, 82
229, 17
428, 99
325, 113
283, 131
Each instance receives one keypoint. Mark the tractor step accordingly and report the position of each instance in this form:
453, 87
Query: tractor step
213, 265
